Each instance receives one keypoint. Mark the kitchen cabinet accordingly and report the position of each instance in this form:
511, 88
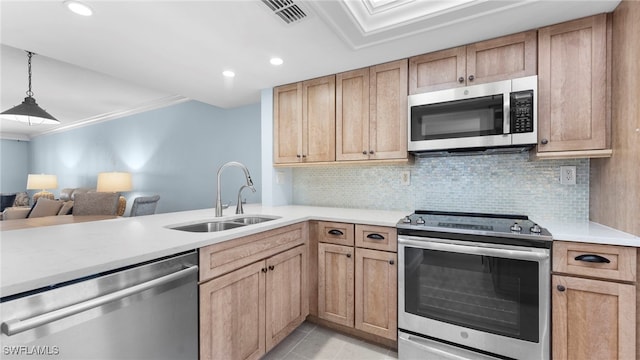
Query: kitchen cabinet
593, 301
304, 121
574, 89
253, 293
357, 286
503, 58
371, 108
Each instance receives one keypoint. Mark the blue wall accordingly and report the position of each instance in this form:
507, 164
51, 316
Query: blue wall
14, 165
174, 152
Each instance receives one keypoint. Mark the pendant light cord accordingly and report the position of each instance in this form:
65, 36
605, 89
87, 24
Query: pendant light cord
29, 55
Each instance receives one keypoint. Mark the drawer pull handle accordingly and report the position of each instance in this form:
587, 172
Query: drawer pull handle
375, 237
592, 258
336, 232
271, 267
348, 255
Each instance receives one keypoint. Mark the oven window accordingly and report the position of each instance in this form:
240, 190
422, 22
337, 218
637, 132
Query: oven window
490, 294
457, 119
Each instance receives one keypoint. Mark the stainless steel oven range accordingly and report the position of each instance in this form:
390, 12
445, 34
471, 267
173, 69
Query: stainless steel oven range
473, 286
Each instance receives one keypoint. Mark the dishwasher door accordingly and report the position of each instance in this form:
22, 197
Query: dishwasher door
147, 311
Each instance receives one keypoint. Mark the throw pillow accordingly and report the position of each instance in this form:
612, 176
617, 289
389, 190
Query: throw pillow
66, 208
22, 199
6, 201
45, 207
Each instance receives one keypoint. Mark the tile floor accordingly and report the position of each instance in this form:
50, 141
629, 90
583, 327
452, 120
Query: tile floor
312, 342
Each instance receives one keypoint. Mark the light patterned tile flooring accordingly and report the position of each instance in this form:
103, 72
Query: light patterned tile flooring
313, 342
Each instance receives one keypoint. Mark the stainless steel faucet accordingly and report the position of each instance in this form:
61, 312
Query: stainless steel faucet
239, 209
249, 185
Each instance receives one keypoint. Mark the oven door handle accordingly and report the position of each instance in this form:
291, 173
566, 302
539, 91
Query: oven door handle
475, 250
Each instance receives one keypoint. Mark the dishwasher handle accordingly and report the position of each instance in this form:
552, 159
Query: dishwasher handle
16, 326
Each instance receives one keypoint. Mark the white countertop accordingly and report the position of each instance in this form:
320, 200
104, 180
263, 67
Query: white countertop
37, 257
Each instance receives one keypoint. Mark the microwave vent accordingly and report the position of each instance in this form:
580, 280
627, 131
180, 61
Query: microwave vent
287, 10
473, 151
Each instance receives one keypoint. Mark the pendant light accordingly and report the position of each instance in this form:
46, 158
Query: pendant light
29, 112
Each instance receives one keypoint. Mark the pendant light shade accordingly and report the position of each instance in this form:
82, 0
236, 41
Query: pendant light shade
29, 112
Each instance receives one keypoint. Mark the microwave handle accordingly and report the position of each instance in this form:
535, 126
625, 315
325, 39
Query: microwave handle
506, 126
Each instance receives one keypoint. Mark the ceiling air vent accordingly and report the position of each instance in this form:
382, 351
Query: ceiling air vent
287, 10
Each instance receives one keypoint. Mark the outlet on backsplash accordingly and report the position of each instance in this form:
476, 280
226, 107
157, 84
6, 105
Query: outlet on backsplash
567, 175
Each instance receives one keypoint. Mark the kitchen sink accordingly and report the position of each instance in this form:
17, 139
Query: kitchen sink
226, 224
249, 220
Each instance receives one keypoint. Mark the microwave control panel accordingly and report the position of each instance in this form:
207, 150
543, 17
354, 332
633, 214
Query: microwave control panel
522, 111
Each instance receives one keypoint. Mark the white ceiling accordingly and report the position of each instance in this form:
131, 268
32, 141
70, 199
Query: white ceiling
133, 56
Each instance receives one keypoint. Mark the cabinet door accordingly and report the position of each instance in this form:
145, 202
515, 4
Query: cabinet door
388, 111
593, 319
232, 319
572, 82
503, 58
287, 123
438, 70
352, 115
335, 283
287, 303
376, 292
319, 119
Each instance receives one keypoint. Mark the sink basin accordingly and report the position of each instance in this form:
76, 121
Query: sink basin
249, 220
226, 224
210, 226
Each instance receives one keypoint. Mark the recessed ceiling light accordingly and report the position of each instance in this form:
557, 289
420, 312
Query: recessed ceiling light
78, 8
228, 73
276, 61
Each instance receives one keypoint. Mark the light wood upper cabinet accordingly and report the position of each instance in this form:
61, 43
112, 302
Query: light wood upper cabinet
376, 292
503, 58
371, 113
304, 121
572, 86
287, 123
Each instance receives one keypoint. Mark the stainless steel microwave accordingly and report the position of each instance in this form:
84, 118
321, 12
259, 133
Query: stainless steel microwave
492, 115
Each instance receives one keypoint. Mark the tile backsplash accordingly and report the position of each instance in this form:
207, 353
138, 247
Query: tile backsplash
508, 184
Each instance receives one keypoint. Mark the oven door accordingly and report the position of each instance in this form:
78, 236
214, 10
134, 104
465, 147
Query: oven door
489, 297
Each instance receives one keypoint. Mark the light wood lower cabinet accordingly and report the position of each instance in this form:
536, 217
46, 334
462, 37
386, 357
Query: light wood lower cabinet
593, 298
253, 292
357, 287
376, 292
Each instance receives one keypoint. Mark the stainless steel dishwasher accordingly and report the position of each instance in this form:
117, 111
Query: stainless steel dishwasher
145, 311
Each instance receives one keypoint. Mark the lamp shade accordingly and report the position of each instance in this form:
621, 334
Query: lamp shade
41, 182
29, 113
114, 182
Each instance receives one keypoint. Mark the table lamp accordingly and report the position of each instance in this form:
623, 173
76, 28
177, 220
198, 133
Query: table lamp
42, 182
115, 182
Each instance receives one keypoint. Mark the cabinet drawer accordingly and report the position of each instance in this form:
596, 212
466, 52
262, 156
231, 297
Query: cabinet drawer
377, 237
335, 233
594, 260
224, 257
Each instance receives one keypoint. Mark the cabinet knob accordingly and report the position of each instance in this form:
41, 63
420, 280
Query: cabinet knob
544, 142
271, 267
461, 79
264, 270
304, 156
561, 288
298, 155
348, 255
371, 152
471, 77
364, 152
391, 262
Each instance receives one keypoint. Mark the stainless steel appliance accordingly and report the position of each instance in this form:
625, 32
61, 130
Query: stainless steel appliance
148, 311
473, 286
498, 114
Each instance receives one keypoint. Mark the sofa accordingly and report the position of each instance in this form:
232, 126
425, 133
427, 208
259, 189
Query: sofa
22, 210
18, 202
